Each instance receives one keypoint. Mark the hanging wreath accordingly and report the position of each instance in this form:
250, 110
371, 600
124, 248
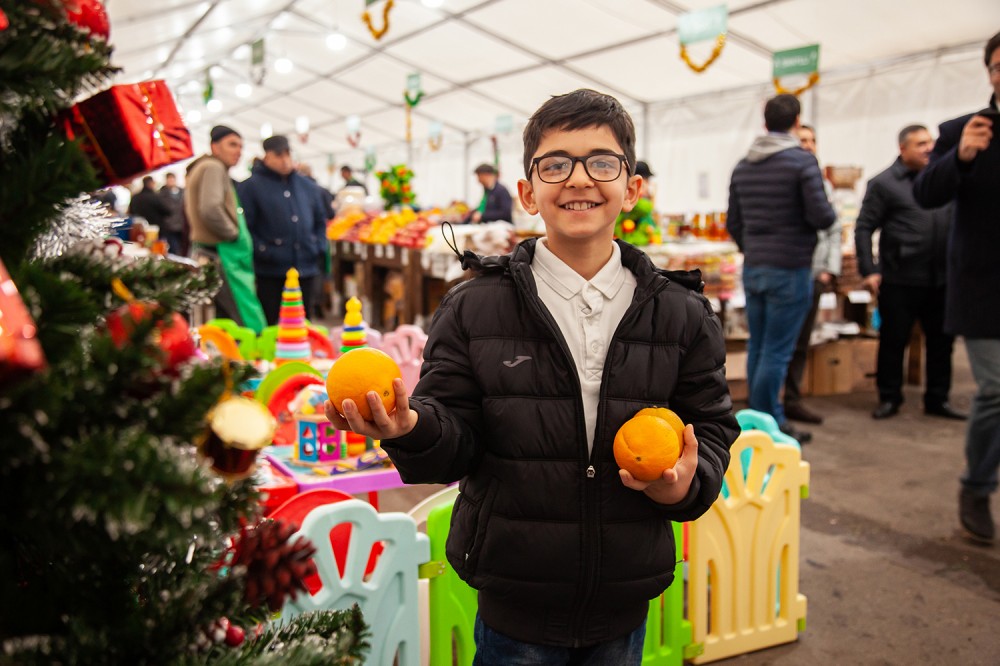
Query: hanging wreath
813, 80
720, 43
367, 18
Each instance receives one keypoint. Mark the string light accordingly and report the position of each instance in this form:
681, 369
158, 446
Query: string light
214, 105
283, 66
244, 90
335, 41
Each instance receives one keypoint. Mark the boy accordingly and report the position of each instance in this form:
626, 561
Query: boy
529, 371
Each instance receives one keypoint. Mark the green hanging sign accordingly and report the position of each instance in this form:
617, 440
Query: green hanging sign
257, 52
505, 124
803, 60
369, 3
702, 25
208, 93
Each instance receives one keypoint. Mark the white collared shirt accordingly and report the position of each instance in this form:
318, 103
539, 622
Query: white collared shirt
588, 313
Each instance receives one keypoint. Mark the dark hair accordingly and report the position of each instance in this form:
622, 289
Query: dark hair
808, 127
578, 110
905, 133
147, 180
991, 46
780, 113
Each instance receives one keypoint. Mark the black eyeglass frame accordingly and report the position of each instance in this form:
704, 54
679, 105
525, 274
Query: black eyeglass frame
583, 160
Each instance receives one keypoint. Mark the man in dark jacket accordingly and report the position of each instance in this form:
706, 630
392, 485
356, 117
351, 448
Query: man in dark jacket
965, 166
909, 279
496, 204
148, 205
172, 230
776, 205
285, 216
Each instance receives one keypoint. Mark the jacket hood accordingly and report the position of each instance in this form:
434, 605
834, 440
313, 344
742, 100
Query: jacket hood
261, 169
199, 160
770, 144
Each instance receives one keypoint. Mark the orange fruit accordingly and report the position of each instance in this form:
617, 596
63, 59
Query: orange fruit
356, 373
645, 446
668, 415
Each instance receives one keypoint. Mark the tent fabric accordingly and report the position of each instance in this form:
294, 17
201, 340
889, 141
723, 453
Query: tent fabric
884, 64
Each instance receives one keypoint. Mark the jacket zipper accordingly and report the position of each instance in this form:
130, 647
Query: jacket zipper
585, 588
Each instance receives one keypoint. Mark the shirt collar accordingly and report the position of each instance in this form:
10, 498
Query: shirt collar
902, 171
568, 283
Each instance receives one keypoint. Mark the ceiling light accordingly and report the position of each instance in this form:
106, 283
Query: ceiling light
242, 52
244, 90
283, 66
302, 125
214, 105
335, 41
193, 116
266, 130
216, 71
433, 3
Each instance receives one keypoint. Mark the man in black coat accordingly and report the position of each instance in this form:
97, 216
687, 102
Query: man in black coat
496, 203
148, 205
909, 279
965, 166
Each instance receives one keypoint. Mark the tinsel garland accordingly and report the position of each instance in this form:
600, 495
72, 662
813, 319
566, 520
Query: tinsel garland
720, 43
378, 33
813, 80
81, 220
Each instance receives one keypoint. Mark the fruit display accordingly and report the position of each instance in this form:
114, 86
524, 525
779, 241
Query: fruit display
358, 372
404, 227
649, 443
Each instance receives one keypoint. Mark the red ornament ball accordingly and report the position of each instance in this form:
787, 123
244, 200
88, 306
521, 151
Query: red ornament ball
4, 22
235, 636
173, 336
89, 15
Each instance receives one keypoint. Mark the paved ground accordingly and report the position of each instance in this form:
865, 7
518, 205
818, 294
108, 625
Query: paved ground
888, 578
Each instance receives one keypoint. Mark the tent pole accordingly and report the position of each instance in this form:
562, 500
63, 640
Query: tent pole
465, 166
645, 132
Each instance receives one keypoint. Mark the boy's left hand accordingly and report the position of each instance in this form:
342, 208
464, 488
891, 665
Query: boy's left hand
674, 483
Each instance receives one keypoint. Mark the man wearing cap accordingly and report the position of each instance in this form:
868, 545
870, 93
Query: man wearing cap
496, 203
286, 218
219, 233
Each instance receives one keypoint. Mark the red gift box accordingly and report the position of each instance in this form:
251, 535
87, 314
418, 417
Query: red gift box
129, 130
20, 352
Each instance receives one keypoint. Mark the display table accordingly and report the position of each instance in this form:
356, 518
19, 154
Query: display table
368, 481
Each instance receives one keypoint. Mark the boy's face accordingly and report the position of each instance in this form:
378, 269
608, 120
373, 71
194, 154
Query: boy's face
579, 208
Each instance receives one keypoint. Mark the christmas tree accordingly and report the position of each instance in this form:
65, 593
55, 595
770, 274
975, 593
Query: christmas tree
119, 544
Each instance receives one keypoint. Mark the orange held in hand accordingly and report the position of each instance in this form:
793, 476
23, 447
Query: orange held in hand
649, 443
356, 373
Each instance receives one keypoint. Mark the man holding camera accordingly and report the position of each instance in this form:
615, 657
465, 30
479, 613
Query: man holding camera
965, 167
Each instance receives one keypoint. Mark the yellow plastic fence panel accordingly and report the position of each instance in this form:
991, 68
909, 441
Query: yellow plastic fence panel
743, 554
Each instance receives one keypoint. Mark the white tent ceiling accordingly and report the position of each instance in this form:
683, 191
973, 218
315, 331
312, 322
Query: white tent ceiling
480, 59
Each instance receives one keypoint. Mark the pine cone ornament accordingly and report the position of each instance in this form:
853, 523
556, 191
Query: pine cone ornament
275, 567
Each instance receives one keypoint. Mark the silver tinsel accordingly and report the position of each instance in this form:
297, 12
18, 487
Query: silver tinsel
81, 220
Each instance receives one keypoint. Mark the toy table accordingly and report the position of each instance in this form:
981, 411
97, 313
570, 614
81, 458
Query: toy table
367, 481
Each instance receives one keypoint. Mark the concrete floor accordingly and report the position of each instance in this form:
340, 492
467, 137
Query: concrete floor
888, 577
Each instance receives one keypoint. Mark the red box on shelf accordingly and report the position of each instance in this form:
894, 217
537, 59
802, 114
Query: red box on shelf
129, 130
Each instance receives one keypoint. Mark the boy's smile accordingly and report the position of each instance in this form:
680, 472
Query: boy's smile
579, 209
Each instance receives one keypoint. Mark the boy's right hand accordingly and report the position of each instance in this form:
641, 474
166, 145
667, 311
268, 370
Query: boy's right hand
382, 426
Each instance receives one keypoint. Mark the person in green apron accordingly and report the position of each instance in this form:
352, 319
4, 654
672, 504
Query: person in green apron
496, 203
219, 232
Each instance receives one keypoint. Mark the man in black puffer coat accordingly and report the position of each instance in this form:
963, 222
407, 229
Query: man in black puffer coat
529, 371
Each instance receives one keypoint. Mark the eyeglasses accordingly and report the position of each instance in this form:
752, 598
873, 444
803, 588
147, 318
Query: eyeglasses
602, 167
994, 69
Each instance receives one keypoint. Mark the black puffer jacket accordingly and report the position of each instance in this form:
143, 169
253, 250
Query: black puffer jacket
561, 552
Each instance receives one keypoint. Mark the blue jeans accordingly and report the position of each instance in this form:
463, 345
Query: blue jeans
778, 300
496, 649
982, 440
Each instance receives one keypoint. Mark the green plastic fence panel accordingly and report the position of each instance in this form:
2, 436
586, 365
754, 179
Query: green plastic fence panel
267, 343
453, 604
667, 631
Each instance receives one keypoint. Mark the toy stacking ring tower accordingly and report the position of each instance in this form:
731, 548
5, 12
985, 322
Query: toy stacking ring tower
354, 335
293, 336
